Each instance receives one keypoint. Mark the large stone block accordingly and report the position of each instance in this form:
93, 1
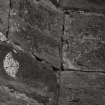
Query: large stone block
37, 26
87, 5
34, 79
82, 88
84, 41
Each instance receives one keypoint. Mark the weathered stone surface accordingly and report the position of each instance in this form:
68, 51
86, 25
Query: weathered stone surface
35, 31
84, 41
37, 26
10, 97
4, 13
82, 88
87, 5
34, 79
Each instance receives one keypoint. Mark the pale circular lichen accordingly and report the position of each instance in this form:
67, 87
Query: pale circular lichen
2, 37
11, 65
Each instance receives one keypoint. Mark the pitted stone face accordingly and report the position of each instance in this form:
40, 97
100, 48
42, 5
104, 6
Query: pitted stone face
11, 66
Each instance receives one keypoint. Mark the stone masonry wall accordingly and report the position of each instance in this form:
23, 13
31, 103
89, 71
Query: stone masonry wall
52, 52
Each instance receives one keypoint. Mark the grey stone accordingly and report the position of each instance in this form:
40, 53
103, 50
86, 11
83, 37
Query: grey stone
84, 41
82, 88
34, 79
86, 5
4, 13
37, 26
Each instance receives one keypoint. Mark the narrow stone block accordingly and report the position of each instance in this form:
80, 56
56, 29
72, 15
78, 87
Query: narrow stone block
86, 5
82, 88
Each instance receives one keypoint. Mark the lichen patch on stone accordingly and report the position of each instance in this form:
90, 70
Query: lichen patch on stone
2, 37
11, 65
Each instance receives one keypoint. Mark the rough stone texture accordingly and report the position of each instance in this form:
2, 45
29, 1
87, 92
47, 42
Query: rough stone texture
33, 41
36, 31
8, 97
34, 79
37, 26
84, 41
4, 10
82, 88
87, 5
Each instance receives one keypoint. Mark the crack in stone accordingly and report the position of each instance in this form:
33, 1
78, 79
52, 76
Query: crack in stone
80, 70
10, 6
61, 62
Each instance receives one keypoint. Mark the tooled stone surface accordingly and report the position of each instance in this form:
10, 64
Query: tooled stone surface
87, 5
82, 88
84, 41
37, 27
